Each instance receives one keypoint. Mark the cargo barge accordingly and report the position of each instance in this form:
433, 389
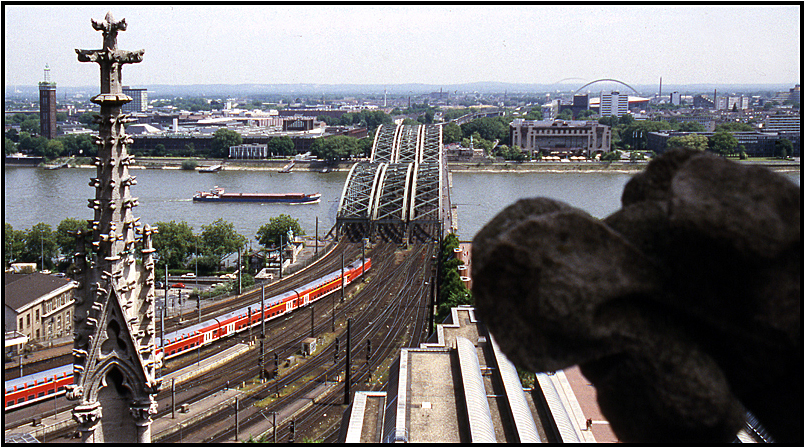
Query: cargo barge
218, 195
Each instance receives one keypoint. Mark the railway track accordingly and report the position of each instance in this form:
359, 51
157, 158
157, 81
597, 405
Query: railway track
391, 311
380, 312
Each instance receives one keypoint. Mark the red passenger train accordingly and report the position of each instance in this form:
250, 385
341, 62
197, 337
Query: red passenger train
40, 386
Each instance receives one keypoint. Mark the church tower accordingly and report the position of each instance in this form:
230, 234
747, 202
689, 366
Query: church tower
114, 350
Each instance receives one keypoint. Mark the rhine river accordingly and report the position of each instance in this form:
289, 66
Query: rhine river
33, 195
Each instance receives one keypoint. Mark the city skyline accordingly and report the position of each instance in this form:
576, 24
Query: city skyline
448, 44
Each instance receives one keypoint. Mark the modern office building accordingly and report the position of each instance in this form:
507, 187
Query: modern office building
703, 102
782, 123
676, 98
580, 102
139, 100
613, 103
561, 137
47, 106
756, 144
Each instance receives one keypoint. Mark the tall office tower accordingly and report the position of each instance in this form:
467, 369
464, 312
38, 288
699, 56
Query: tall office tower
139, 100
47, 106
614, 103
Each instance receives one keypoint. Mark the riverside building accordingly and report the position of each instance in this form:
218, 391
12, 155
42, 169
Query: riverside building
562, 138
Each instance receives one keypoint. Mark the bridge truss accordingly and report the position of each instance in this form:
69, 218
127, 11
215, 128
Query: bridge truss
397, 195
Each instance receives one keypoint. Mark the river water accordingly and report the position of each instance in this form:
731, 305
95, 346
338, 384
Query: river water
33, 195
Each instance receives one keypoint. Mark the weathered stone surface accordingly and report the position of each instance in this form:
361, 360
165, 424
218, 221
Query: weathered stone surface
681, 307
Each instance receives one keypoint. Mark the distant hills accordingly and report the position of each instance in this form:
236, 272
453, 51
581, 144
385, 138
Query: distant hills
395, 90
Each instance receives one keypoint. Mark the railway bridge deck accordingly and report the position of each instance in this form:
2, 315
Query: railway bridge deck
401, 193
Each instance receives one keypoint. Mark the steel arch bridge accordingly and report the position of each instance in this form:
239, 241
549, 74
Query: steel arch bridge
610, 80
397, 194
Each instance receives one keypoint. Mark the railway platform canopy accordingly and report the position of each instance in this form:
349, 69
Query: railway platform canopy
397, 194
421, 403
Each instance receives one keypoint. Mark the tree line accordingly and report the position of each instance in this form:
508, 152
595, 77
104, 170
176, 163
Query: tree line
452, 291
176, 244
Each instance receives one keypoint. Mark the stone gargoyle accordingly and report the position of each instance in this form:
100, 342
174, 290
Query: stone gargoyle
683, 308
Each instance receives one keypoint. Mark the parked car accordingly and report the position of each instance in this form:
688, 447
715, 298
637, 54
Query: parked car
178, 285
189, 275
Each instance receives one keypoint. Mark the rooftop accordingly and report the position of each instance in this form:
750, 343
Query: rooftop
20, 290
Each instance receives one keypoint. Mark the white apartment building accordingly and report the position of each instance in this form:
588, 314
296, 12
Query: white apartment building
613, 103
730, 102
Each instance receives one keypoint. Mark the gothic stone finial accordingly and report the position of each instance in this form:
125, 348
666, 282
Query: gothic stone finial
110, 59
110, 29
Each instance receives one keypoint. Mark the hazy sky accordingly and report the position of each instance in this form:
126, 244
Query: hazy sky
412, 44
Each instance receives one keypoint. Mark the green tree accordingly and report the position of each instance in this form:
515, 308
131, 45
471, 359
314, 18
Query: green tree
13, 244
65, 235
334, 148
269, 234
489, 128
692, 141
451, 133
734, 126
612, 156
40, 241
222, 140
13, 135
512, 153
79, 145
691, 126
174, 242
723, 142
585, 114
159, 150
53, 149
783, 147
636, 133
33, 144
30, 125
281, 146
88, 120
220, 239
365, 147
626, 119
9, 147
634, 156
477, 142
566, 114
534, 114
610, 121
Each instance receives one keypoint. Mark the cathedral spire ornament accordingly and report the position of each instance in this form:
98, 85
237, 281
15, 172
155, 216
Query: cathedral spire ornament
114, 350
